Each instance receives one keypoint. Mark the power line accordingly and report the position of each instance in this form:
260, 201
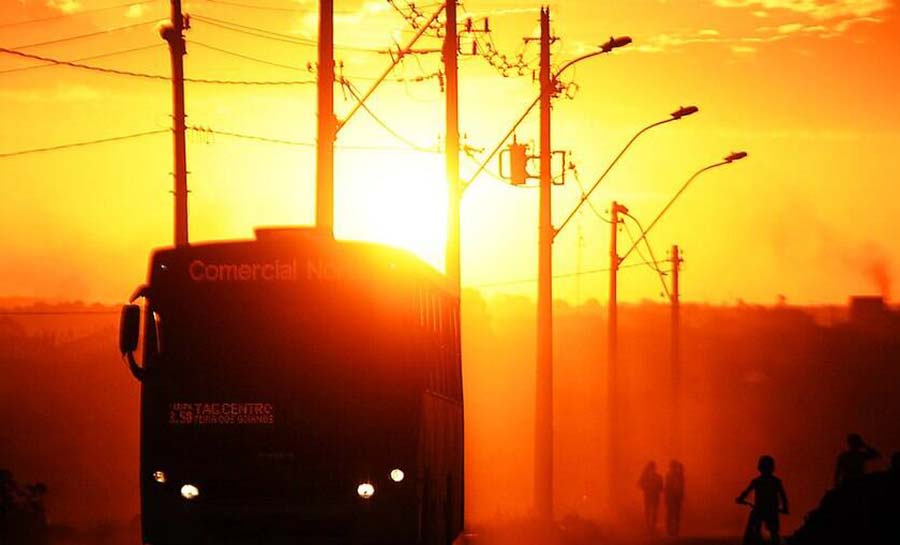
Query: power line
272, 35
117, 72
644, 260
265, 139
92, 57
489, 52
555, 276
281, 9
253, 31
77, 13
653, 263
245, 57
484, 170
590, 204
416, 17
353, 92
258, 7
72, 64
84, 143
88, 35
411, 79
201, 130
264, 83
423, 76
298, 143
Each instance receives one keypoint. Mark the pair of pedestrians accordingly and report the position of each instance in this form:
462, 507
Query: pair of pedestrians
672, 488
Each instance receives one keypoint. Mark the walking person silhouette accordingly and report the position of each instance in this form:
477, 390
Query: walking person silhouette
769, 499
651, 483
674, 494
851, 464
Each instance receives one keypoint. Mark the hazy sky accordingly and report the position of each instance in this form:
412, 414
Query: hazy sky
808, 87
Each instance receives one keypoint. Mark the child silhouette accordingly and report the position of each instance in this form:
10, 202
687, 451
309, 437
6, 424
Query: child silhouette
769, 499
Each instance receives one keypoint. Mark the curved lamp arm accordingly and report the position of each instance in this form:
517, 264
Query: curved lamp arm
587, 195
727, 161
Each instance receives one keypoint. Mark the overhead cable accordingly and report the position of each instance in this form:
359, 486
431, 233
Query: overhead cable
88, 35
83, 143
80, 59
129, 73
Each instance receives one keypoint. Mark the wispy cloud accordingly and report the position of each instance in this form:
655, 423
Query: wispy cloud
815, 9
847, 23
309, 22
831, 30
797, 28
136, 10
738, 45
502, 11
65, 6
813, 20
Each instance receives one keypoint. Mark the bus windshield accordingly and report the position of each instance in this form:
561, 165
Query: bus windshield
262, 371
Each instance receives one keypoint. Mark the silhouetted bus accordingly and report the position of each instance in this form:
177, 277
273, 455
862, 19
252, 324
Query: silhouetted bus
296, 387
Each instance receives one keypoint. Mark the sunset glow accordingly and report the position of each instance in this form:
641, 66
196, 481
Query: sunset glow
818, 158
396, 198
610, 240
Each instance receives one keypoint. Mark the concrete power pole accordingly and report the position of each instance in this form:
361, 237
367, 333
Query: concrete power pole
454, 190
174, 35
675, 353
613, 409
543, 418
327, 125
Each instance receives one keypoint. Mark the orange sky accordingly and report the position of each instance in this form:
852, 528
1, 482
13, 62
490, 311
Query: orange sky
808, 87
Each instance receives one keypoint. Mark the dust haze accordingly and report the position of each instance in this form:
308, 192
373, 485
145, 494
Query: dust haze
785, 381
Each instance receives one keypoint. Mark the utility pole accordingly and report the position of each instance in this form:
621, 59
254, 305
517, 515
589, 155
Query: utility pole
327, 124
454, 190
675, 354
613, 410
543, 418
174, 35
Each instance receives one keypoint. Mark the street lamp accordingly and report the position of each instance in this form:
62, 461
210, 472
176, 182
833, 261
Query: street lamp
612, 320
675, 335
612, 43
730, 158
544, 365
680, 113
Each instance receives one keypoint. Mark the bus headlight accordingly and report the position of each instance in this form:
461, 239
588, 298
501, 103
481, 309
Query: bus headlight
397, 475
189, 492
159, 476
365, 490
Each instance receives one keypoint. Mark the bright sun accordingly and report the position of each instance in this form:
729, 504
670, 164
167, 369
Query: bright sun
396, 198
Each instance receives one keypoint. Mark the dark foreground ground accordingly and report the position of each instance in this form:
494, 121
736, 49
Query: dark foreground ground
130, 535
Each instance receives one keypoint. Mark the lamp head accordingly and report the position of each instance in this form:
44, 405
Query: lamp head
684, 111
735, 156
614, 43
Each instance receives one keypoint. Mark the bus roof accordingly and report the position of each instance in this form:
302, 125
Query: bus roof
308, 238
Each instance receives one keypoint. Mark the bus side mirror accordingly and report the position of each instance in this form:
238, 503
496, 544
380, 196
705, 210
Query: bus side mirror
129, 328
